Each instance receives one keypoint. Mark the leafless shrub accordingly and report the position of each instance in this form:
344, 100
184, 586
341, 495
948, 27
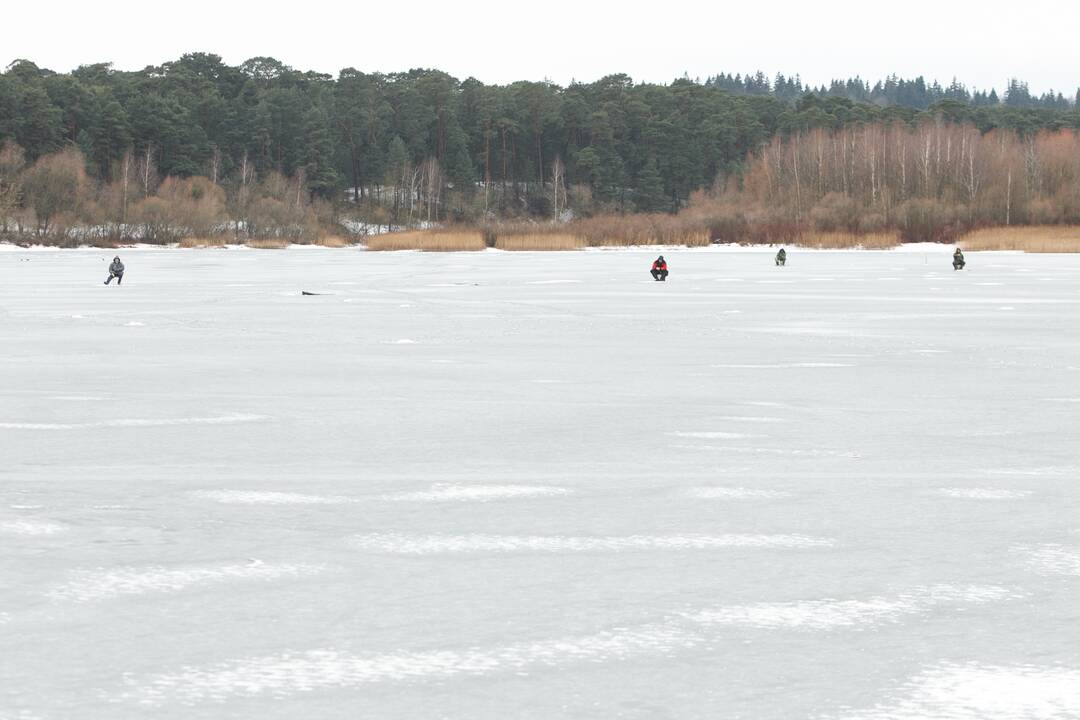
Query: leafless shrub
54, 187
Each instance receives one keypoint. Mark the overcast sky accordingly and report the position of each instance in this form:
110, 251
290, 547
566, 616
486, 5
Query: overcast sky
561, 40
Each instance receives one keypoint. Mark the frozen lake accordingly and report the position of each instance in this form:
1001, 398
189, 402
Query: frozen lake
491, 486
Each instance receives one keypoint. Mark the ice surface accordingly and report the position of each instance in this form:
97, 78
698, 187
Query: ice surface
445, 492
539, 486
101, 584
984, 493
1054, 558
978, 692
254, 497
736, 493
440, 544
29, 527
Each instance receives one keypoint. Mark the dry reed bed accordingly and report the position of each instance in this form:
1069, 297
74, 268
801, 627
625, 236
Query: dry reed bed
652, 229
630, 231
604, 231
268, 244
1031, 238
202, 242
537, 241
428, 241
331, 241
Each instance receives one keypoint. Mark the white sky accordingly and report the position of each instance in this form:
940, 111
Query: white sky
499, 42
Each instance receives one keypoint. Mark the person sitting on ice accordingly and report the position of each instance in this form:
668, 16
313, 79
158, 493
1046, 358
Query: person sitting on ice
116, 270
659, 269
958, 260
781, 257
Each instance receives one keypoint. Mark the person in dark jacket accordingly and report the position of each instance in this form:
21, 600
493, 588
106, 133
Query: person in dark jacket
659, 269
958, 260
781, 257
116, 270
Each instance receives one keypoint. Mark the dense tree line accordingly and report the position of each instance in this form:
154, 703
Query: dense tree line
199, 146
918, 93
631, 146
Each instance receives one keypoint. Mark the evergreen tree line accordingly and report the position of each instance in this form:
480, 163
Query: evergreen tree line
893, 90
197, 146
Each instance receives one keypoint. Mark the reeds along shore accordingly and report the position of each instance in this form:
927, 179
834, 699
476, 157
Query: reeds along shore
1034, 239
620, 232
560, 240
428, 240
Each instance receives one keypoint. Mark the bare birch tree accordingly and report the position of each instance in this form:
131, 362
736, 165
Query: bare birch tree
558, 177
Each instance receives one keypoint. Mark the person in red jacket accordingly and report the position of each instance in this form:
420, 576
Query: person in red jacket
659, 269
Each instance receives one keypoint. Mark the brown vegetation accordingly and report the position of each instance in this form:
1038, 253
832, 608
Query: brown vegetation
602, 231
53, 190
540, 241
429, 241
1034, 238
202, 242
931, 182
12, 162
53, 201
267, 243
692, 228
650, 229
870, 185
331, 241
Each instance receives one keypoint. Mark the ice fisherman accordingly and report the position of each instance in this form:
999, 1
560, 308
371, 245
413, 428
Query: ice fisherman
116, 270
659, 269
781, 257
958, 260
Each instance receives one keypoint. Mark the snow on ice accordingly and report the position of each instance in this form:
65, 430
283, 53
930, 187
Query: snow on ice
539, 486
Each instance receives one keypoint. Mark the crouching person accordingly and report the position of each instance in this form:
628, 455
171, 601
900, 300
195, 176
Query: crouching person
958, 260
781, 258
659, 269
116, 270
